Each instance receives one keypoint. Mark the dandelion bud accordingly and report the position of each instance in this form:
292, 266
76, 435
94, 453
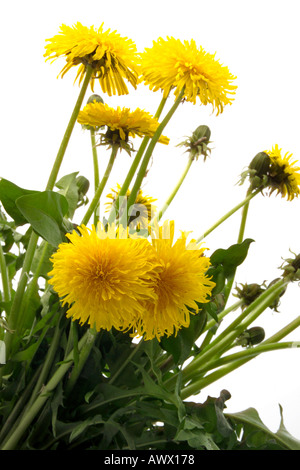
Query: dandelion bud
197, 144
249, 292
292, 268
83, 185
260, 163
96, 98
254, 335
257, 171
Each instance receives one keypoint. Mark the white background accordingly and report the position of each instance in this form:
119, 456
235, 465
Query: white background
259, 42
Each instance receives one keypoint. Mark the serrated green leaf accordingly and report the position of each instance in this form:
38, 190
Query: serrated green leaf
81, 427
251, 417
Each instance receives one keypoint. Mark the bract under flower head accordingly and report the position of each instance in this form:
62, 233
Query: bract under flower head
122, 123
284, 176
112, 57
104, 276
172, 64
181, 283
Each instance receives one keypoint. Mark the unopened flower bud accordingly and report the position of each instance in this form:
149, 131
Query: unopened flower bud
257, 171
254, 335
292, 268
96, 98
83, 185
249, 292
261, 164
197, 144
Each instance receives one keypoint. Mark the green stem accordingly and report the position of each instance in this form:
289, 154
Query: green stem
4, 277
126, 361
239, 240
14, 417
235, 362
96, 169
196, 386
243, 221
223, 314
249, 353
229, 214
17, 303
144, 165
16, 307
83, 356
68, 132
133, 168
99, 191
173, 193
226, 338
47, 363
31, 413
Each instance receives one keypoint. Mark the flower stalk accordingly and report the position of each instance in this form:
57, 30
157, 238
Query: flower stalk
40, 400
144, 165
96, 169
173, 193
137, 159
69, 130
229, 214
95, 201
203, 382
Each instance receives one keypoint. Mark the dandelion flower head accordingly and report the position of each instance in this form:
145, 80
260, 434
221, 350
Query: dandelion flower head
103, 276
125, 122
113, 58
173, 64
180, 284
284, 176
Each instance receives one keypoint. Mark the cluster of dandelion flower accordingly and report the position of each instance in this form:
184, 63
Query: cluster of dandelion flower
274, 171
111, 279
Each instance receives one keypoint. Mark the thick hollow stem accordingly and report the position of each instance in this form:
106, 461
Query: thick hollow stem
99, 191
173, 193
229, 214
41, 399
196, 386
144, 165
133, 167
68, 132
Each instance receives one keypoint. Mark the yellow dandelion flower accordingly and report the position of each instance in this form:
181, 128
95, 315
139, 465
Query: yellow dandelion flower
122, 123
283, 175
103, 276
144, 208
181, 282
112, 57
171, 63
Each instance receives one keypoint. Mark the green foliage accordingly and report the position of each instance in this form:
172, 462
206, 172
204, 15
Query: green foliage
45, 212
97, 415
